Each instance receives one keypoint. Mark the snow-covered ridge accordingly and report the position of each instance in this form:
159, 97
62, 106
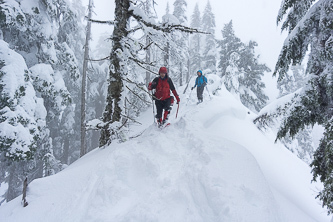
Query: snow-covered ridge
210, 164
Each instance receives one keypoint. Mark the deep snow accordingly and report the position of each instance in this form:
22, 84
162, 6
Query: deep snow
210, 164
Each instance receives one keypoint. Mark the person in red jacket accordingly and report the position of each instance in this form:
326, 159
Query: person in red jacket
163, 84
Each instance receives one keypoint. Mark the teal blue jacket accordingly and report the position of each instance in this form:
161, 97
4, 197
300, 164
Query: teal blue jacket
200, 81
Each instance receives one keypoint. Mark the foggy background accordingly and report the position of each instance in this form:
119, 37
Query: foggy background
252, 20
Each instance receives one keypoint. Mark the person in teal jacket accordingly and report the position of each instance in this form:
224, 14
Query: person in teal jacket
200, 82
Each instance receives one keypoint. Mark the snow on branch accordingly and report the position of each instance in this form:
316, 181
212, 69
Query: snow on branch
100, 22
165, 27
98, 60
296, 44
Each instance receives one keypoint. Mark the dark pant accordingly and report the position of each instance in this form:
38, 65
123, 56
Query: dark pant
162, 104
200, 90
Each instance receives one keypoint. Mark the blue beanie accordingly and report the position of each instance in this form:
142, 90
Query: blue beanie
200, 71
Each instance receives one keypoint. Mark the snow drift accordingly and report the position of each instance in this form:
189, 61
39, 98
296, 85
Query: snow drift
210, 164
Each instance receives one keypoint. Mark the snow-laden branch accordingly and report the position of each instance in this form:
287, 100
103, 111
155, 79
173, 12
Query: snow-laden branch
296, 44
98, 60
101, 22
165, 27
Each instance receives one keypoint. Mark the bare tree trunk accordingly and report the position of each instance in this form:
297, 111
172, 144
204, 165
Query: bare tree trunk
83, 150
25, 186
113, 108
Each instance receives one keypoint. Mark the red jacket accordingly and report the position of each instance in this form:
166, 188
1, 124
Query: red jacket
163, 87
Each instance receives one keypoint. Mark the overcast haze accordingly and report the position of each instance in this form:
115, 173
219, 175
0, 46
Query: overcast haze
252, 20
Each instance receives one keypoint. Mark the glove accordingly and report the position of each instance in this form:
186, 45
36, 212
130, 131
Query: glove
177, 98
149, 86
192, 88
176, 95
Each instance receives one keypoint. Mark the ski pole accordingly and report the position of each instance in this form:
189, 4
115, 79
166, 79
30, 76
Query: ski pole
177, 111
153, 109
208, 92
152, 101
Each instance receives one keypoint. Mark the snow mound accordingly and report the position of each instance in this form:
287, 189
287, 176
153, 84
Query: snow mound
210, 164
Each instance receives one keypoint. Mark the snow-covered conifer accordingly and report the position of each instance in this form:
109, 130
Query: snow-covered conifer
195, 41
47, 34
252, 87
229, 44
180, 50
208, 26
310, 27
21, 119
241, 69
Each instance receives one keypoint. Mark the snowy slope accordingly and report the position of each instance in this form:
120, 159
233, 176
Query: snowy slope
210, 164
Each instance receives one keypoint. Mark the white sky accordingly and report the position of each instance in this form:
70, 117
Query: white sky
252, 20
210, 164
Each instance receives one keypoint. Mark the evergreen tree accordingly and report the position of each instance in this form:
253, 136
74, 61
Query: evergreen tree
229, 44
233, 74
96, 94
292, 81
83, 145
22, 117
147, 8
195, 41
166, 49
46, 35
180, 49
310, 27
302, 143
208, 26
102, 49
241, 70
18, 107
252, 91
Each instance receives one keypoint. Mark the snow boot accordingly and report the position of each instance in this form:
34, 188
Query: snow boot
200, 101
166, 116
159, 122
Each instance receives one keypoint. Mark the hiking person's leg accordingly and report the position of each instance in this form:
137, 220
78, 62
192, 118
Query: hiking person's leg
167, 109
201, 92
159, 110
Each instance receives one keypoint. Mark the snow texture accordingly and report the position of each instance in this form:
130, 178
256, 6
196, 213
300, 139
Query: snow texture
210, 164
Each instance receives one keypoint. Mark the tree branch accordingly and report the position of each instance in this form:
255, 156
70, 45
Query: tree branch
132, 105
128, 80
138, 95
100, 22
139, 63
97, 60
168, 28
129, 119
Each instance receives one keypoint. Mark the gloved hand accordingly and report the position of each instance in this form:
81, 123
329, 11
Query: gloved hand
149, 86
176, 95
192, 88
177, 98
